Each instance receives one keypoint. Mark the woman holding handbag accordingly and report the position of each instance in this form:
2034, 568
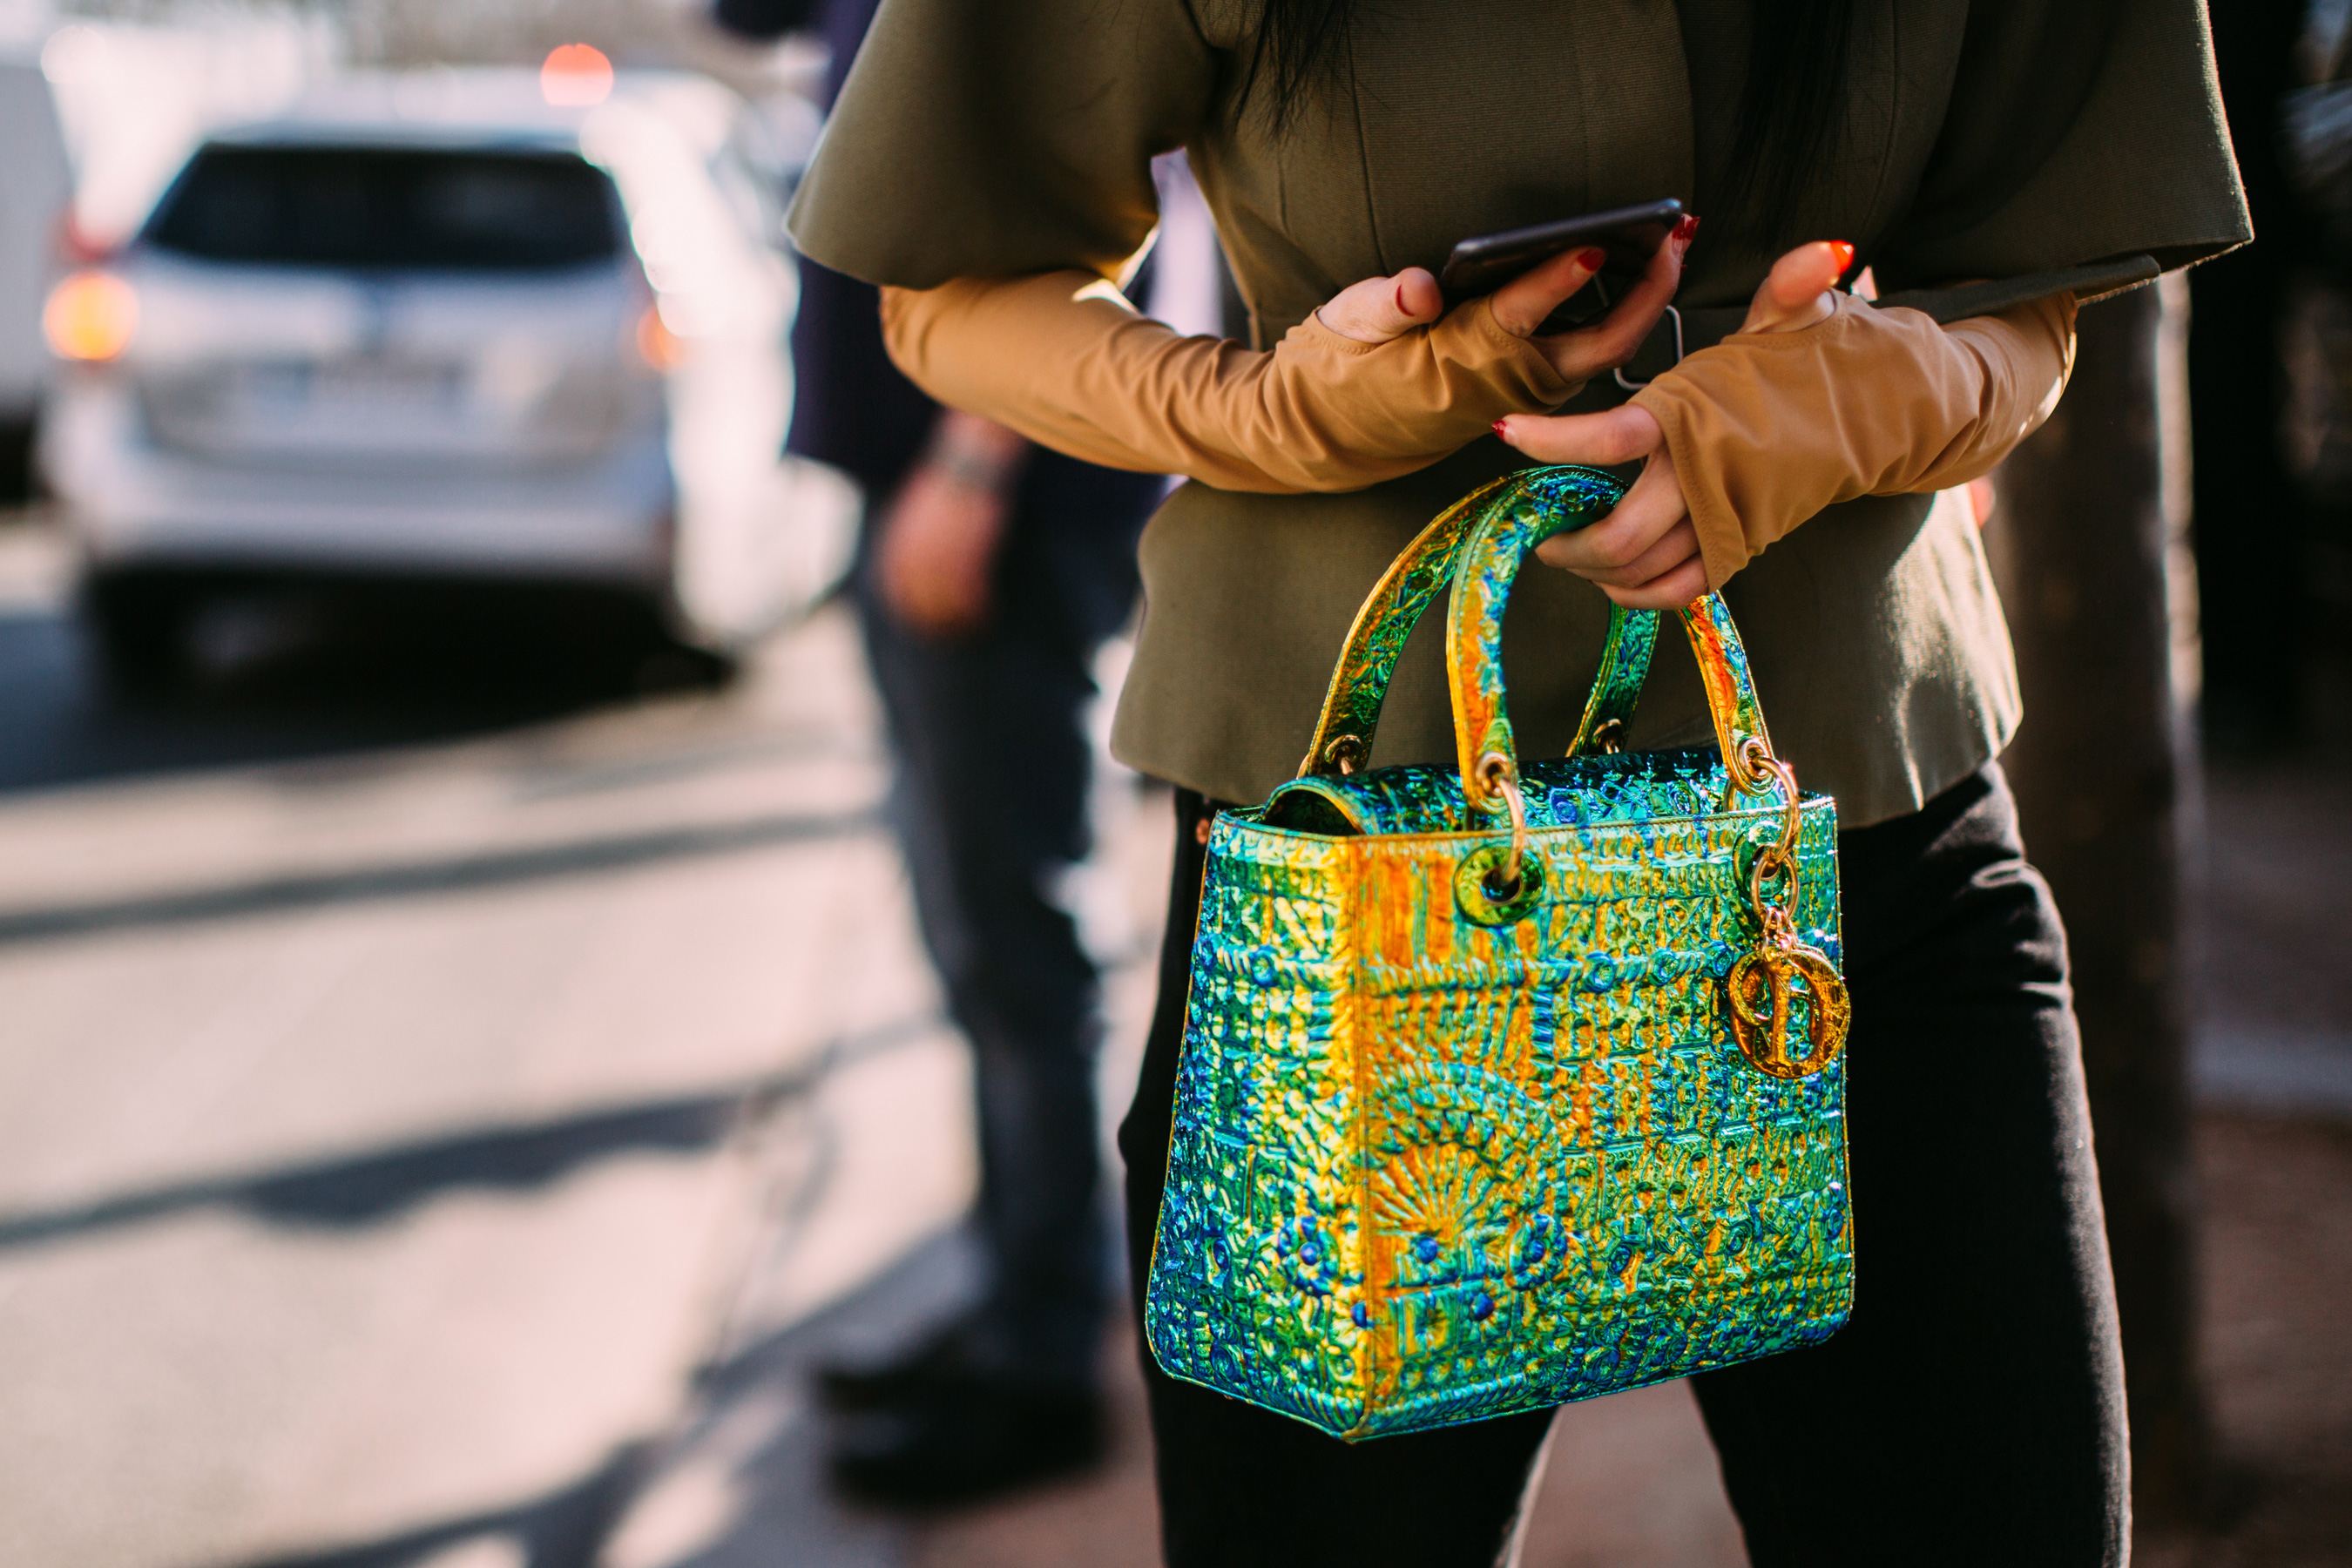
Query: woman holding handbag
988, 164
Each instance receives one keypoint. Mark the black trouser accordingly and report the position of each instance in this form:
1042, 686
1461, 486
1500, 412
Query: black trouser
989, 802
1971, 1413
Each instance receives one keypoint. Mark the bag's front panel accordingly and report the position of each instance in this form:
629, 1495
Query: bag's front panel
1574, 1182
1256, 1270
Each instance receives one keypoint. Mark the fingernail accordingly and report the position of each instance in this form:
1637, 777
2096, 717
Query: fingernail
1684, 230
1592, 258
1503, 428
1843, 253
1401, 305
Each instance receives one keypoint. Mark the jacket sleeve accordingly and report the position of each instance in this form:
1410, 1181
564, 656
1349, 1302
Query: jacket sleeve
997, 138
2080, 149
2073, 131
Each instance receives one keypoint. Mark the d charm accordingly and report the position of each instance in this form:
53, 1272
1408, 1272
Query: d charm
1763, 982
1763, 1001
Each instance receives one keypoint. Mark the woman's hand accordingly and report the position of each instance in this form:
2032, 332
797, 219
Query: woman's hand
1644, 554
1379, 308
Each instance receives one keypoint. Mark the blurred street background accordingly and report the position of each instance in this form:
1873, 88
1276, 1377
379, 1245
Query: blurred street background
464, 1046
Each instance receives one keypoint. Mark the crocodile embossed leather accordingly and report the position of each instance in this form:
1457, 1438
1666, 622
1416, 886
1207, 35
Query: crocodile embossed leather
1508, 1085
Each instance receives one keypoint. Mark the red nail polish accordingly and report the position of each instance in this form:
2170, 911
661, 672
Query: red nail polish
1843, 253
1502, 431
1687, 228
1401, 305
1592, 258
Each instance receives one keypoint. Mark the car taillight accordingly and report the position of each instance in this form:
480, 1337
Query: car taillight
656, 344
575, 76
90, 317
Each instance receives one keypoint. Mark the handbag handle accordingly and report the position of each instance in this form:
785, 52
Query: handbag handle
1495, 886
1517, 517
1359, 682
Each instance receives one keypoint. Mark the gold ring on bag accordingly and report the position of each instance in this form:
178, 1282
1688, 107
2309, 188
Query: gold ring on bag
1495, 885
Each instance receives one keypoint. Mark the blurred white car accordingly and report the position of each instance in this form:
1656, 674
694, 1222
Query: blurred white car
457, 325
34, 187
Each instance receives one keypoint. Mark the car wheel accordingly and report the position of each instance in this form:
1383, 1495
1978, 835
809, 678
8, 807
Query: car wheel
138, 631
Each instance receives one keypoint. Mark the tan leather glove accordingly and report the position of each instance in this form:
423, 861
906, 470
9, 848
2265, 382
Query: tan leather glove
1064, 360
1767, 428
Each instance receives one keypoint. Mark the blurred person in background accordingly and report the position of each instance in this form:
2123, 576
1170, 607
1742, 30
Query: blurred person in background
2251, 531
988, 575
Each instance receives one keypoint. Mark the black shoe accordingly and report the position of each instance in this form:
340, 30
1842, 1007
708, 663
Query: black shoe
941, 1365
971, 1442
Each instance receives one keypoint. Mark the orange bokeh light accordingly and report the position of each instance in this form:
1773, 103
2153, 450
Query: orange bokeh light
90, 317
656, 344
575, 76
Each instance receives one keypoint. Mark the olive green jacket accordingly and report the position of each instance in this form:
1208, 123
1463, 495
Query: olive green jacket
2003, 142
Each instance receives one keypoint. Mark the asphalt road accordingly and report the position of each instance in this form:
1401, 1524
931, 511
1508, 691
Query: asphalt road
416, 1054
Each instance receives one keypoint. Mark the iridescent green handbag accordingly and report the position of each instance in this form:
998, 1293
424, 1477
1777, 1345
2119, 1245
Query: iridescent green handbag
1508, 1085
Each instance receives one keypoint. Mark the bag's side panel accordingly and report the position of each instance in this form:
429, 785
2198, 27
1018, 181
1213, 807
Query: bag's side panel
1579, 1184
1253, 1281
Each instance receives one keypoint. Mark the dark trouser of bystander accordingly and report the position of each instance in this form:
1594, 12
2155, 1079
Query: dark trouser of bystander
989, 802
989, 805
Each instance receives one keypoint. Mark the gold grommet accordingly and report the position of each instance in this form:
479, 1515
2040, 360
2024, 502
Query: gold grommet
1344, 752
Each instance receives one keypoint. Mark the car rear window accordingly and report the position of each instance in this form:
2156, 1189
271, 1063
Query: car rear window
390, 207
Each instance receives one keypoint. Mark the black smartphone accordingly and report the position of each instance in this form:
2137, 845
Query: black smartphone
1630, 235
